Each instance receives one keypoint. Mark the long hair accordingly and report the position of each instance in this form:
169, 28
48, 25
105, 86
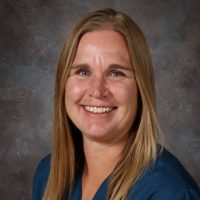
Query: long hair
141, 150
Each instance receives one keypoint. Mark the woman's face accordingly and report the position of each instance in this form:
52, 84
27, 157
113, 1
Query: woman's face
101, 91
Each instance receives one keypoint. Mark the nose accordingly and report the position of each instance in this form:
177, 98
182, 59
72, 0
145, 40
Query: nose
98, 87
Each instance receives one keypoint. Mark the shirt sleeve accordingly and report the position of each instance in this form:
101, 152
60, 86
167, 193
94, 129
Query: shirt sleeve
183, 194
166, 179
190, 194
41, 178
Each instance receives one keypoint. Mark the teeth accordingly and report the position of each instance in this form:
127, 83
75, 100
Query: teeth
94, 109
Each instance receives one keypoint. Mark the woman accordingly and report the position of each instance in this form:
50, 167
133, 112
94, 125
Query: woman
105, 124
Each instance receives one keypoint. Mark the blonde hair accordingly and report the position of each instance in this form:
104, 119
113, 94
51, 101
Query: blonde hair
67, 153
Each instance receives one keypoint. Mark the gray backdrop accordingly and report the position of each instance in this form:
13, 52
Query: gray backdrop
31, 35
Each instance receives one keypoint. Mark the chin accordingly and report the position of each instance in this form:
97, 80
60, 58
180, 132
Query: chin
98, 137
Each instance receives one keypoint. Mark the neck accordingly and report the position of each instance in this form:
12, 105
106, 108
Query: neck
101, 158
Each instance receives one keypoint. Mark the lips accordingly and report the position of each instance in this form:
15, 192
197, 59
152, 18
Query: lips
99, 109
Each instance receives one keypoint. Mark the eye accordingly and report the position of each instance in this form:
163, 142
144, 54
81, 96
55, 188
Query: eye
83, 72
116, 73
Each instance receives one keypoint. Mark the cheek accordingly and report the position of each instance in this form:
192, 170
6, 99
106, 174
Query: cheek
133, 95
126, 93
73, 91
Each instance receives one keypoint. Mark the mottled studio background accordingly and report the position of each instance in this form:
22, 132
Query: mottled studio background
31, 34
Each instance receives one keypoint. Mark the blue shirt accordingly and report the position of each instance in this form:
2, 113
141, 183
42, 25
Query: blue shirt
165, 180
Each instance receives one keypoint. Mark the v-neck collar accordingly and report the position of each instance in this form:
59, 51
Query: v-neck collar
77, 190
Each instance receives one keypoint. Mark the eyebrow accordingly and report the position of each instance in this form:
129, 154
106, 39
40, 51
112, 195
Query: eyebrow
80, 66
119, 66
110, 67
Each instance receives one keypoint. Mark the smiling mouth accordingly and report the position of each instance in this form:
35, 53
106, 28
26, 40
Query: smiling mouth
98, 109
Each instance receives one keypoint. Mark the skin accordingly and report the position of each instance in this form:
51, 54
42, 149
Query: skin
101, 76
96, 80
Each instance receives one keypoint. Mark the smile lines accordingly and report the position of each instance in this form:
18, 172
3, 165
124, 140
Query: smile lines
95, 109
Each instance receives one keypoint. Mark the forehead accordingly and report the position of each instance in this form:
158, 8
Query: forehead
104, 37
108, 44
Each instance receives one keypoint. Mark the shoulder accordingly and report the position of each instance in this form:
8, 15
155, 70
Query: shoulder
41, 178
168, 168
166, 179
